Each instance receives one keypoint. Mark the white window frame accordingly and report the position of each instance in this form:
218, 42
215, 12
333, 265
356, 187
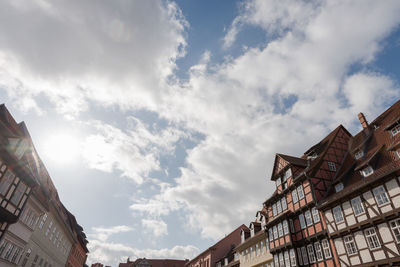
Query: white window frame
395, 227
278, 182
318, 251
357, 205
284, 203
279, 206
300, 256
275, 228
381, 196
281, 259
315, 215
295, 198
395, 130
271, 234
285, 227
292, 254
339, 187
280, 230
300, 189
274, 210
287, 258
304, 254
302, 221
367, 171
372, 238
338, 214
332, 166
311, 255
326, 248
359, 154
350, 245
276, 260
308, 217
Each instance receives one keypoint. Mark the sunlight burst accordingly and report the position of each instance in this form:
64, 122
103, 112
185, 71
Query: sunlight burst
62, 148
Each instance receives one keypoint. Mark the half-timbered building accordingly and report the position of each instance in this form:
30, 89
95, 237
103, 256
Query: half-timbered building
362, 207
296, 230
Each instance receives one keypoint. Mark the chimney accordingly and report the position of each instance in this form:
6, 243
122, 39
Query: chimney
363, 121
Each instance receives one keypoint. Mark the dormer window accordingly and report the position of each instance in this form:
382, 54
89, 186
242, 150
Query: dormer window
359, 154
339, 187
332, 166
367, 171
312, 156
395, 130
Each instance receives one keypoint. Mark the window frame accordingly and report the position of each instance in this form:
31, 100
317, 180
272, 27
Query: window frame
311, 254
300, 189
367, 171
308, 217
295, 199
350, 245
326, 248
315, 215
302, 221
380, 194
356, 206
338, 208
372, 238
332, 166
318, 251
395, 228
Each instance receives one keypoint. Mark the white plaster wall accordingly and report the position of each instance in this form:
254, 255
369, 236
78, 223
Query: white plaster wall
360, 240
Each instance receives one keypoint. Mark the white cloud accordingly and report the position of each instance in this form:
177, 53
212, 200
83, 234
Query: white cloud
135, 152
119, 53
112, 253
103, 233
156, 227
295, 88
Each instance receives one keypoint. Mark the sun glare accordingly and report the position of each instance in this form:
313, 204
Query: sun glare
62, 148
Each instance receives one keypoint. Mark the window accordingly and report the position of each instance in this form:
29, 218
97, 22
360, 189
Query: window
18, 193
278, 182
262, 247
285, 227
318, 251
292, 257
247, 255
43, 220
302, 221
291, 225
270, 235
308, 218
256, 250
3, 245
299, 256
300, 191
16, 254
280, 230
367, 171
331, 166
275, 232
281, 260
279, 207
9, 251
311, 254
395, 226
5, 182
380, 195
294, 196
288, 173
350, 245
315, 215
276, 260
357, 206
358, 154
304, 253
339, 187
287, 259
395, 130
372, 238
284, 203
274, 211
326, 249
337, 213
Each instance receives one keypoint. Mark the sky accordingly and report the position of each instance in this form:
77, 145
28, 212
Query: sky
158, 120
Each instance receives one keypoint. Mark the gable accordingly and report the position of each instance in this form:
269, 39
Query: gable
279, 165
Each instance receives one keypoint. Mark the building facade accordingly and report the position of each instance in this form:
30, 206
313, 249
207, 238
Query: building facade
362, 207
253, 251
218, 251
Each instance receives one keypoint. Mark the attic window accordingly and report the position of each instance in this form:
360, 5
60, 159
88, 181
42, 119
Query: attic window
332, 166
278, 182
367, 171
339, 187
395, 130
312, 156
358, 154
